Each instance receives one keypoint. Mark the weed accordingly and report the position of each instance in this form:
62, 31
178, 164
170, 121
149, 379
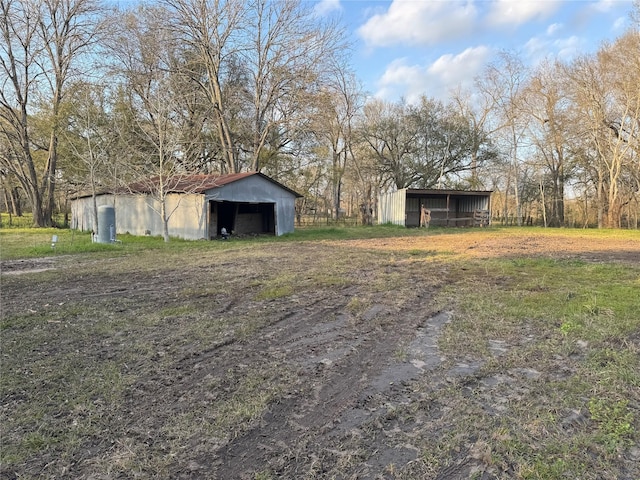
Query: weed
571, 326
277, 287
274, 292
264, 475
614, 421
401, 354
356, 306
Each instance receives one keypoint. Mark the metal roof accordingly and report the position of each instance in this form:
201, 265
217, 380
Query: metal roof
189, 183
429, 191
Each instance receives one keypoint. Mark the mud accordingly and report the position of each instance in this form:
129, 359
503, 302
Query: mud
359, 393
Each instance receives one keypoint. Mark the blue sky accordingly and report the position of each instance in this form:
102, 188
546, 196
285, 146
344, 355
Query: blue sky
406, 48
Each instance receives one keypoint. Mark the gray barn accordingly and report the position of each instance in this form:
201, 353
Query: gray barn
447, 207
199, 206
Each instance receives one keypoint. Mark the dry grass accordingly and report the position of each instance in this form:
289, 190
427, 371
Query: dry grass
294, 357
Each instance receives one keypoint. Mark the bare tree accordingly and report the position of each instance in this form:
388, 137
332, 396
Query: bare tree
503, 82
211, 29
477, 108
89, 138
546, 101
146, 52
338, 104
257, 63
607, 103
289, 51
43, 44
18, 60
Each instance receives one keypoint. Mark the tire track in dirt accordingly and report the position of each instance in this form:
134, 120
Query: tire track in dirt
347, 364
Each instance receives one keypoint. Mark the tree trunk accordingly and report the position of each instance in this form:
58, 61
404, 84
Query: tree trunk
165, 220
544, 205
49, 179
600, 198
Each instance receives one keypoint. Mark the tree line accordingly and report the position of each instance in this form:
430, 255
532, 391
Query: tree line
95, 98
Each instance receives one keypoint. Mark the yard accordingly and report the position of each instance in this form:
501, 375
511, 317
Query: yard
348, 354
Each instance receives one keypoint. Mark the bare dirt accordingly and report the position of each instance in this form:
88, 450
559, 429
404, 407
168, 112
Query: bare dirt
344, 370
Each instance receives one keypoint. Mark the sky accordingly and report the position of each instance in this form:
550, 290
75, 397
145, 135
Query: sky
408, 48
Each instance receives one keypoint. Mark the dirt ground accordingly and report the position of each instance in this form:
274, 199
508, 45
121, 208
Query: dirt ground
328, 373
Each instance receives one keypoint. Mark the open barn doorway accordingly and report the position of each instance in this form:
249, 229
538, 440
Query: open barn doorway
242, 218
255, 218
226, 216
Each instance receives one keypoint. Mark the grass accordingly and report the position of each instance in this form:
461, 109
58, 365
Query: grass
128, 345
571, 321
19, 242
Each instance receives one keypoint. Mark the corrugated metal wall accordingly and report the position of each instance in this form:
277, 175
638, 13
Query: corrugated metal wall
469, 204
190, 215
445, 207
256, 189
137, 214
392, 207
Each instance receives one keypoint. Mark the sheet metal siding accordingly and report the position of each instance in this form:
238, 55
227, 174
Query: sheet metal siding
469, 204
137, 214
256, 189
392, 207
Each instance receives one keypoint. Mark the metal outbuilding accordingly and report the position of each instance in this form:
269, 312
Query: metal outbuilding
199, 206
446, 207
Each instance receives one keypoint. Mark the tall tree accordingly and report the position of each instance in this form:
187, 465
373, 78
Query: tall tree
90, 140
391, 137
425, 145
211, 30
42, 49
503, 82
164, 137
476, 107
546, 101
289, 51
607, 104
339, 102
621, 63
261, 60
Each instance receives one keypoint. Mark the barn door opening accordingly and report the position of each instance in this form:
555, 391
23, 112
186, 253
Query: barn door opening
226, 216
255, 218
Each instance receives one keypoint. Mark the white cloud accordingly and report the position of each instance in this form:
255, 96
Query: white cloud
550, 44
620, 24
401, 80
436, 80
603, 5
517, 12
602, 11
453, 69
566, 48
325, 7
411, 22
554, 28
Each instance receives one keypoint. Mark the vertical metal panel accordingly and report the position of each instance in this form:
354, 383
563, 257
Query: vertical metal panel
82, 217
467, 204
392, 207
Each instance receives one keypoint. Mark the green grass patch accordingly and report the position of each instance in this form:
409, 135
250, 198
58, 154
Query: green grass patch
567, 323
280, 286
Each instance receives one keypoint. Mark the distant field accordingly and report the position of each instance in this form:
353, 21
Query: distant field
336, 352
